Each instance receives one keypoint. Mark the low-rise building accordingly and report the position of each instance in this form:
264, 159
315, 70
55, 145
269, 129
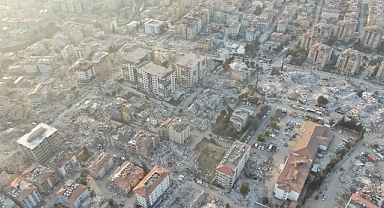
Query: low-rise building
152, 187
232, 164
42, 177
47, 64
85, 71
239, 119
142, 143
101, 166
126, 177
154, 26
40, 143
72, 194
349, 61
319, 55
24, 192
356, 201
39, 94
205, 45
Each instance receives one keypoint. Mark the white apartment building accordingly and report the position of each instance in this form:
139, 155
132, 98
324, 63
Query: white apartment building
330, 13
82, 51
24, 192
30, 65
282, 26
234, 28
59, 41
232, 164
152, 187
251, 34
131, 59
102, 62
349, 61
84, 70
40, 143
38, 94
72, 194
263, 21
67, 51
239, 119
153, 26
156, 79
178, 130
47, 64
191, 69
319, 55
345, 30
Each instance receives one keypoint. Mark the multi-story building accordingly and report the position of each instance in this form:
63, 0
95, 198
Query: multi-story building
206, 44
380, 72
5, 105
251, 34
322, 30
156, 79
282, 26
84, 70
40, 143
239, 119
152, 187
6, 202
102, 62
43, 178
232, 164
72, 194
371, 37
345, 30
309, 40
67, 165
234, 28
47, 64
191, 69
126, 177
188, 28
59, 41
349, 61
319, 55
82, 51
30, 65
153, 26
131, 59
23, 192
175, 129
263, 21
298, 164
67, 52
39, 94
142, 143
101, 166
330, 13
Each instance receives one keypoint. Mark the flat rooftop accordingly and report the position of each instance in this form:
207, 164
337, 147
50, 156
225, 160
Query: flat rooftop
232, 158
155, 23
135, 55
36, 136
155, 69
190, 60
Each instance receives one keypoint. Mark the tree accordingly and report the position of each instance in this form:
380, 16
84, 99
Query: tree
267, 133
274, 124
244, 190
265, 201
84, 173
227, 205
180, 110
321, 100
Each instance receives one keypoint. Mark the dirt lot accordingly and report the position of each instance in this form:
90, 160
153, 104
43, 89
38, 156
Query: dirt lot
209, 158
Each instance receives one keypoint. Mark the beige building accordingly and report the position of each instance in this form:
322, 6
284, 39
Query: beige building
380, 72
154, 26
101, 166
142, 143
131, 58
40, 143
298, 164
371, 37
309, 40
126, 177
156, 79
345, 30
42, 177
282, 26
72, 194
103, 63
319, 55
349, 61
152, 187
175, 129
191, 69
24, 192
39, 94
205, 45
322, 30
239, 119
188, 28
84, 70
232, 164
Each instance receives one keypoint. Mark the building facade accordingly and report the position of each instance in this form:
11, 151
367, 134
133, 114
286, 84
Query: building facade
345, 30
101, 166
319, 55
349, 61
42, 177
84, 70
24, 192
126, 177
72, 194
191, 69
154, 27
142, 143
371, 37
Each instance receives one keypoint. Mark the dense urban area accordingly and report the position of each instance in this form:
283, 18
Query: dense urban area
191, 103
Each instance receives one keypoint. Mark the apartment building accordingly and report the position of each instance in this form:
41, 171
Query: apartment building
131, 58
39, 94
239, 119
42, 177
282, 26
264, 21
6, 202
251, 34
309, 40
127, 112
102, 63
67, 52
234, 28
232, 164
5, 105
47, 64
319, 55
188, 27
175, 129
142, 143
59, 41
298, 164
24, 192
30, 65
156, 79
40, 143
191, 69
82, 51
66, 165
345, 30
371, 37
154, 27
206, 44
72, 194
101, 166
152, 187
330, 13
84, 70
126, 177
349, 61
323, 30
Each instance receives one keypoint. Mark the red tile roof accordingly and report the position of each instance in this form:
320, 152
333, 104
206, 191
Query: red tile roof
360, 200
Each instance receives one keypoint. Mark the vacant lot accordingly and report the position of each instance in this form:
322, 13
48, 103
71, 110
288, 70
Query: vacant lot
209, 157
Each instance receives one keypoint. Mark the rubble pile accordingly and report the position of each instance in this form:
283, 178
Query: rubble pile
184, 196
203, 110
